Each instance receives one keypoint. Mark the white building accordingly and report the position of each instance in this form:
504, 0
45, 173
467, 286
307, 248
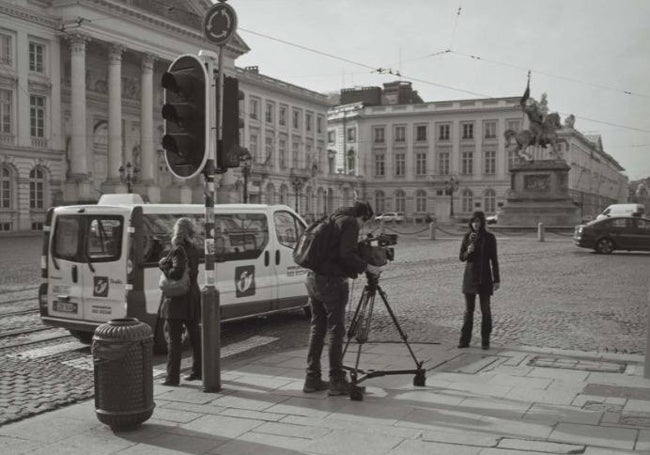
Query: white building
409, 156
80, 98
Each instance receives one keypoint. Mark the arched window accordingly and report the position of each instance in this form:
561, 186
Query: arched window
284, 194
421, 201
380, 202
489, 201
467, 200
270, 194
36, 188
6, 188
400, 201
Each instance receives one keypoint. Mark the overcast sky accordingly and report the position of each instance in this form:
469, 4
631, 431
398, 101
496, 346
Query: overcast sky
585, 54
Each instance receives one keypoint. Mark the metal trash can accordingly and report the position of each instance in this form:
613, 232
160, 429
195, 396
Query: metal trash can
122, 359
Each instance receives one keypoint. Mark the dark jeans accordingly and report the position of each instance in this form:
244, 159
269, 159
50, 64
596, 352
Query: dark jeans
175, 347
486, 318
328, 296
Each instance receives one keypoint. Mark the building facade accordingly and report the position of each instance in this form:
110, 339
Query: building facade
444, 158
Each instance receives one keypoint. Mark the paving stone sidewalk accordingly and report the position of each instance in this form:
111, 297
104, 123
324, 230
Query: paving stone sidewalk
505, 401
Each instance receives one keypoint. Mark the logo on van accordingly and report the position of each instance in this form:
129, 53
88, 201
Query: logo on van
245, 280
100, 288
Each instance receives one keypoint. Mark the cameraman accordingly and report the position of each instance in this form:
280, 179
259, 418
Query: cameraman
328, 295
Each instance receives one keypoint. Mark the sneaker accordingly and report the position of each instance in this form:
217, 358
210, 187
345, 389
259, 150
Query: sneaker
192, 377
315, 385
463, 345
339, 387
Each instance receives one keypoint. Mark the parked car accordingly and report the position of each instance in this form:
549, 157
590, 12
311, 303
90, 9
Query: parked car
390, 217
492, 219
614, 233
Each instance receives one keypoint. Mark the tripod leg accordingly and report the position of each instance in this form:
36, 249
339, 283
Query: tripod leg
399, 328
354, 323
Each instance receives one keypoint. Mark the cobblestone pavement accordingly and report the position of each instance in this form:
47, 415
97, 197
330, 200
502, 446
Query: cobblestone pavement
553, 295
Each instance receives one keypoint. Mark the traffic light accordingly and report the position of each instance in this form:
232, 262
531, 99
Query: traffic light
229, 151
186, 116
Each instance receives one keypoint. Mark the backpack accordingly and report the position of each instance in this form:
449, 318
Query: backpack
312, 248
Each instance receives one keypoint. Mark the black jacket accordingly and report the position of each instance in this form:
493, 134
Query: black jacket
344, 259
187, 306
482, 268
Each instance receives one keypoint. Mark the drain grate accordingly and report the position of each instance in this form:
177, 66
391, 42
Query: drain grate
577, 364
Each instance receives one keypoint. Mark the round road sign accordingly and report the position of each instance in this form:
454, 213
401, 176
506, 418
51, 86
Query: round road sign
220, 23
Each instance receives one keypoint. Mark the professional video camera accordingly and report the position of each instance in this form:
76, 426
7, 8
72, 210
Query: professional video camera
378, 250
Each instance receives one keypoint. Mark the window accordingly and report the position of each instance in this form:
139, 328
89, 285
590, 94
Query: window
512, 159
420, 163
67, 234
268, 149
102, 234
467, 163
270, 194
294, 153
380, 165
443, 163
319, 124
514, 125
282, 151
37, 115
308, 154
421, 201
400, 201
379, 135
467, 200
380, 202
331, 136
352, 134
254, 149
489, 201
6, 111
36, 57
421, 133
282, 116
400, 164
254, 106
104, 239
308, 121
400, 134
5, 188
468, 131
295, 119
490, 130
36, 226
5, 226
284, 194
643, 225
490, 162
6, 50
268, 115
618, 223
443, 132
36, 186
287, 228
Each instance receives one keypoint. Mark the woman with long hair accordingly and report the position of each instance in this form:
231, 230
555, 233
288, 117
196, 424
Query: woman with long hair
184, 310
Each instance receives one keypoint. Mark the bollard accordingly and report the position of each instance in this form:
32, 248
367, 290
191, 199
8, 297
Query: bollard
540, 232
123, 370
432, 230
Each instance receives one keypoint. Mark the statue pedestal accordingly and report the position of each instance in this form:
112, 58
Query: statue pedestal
539, 194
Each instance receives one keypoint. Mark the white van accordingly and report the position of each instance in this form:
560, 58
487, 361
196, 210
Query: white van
100, 262
622, 210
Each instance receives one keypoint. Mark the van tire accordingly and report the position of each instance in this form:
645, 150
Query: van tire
84, 337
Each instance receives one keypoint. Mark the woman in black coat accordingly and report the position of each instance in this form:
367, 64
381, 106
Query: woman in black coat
479, 251
183, 310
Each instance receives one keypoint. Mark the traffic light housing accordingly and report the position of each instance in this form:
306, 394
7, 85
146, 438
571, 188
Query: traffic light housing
229, 151
186, 116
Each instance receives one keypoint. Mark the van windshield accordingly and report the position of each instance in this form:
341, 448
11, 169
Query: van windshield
88, 238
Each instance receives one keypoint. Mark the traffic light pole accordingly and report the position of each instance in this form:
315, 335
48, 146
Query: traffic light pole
210, 305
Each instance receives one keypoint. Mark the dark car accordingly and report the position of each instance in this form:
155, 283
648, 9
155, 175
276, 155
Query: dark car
615, 233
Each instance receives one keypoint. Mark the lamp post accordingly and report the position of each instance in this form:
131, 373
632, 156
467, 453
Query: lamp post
129, 175
297, 183
331, 156
451, 186
245, 160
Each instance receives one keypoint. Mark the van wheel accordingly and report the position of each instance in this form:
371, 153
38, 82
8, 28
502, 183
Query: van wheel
605, 246
161, 337
84, 337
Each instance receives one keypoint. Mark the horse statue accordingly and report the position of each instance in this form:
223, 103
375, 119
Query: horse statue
546, 135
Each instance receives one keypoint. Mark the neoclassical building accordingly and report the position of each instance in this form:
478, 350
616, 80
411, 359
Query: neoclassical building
423, 158
80, 100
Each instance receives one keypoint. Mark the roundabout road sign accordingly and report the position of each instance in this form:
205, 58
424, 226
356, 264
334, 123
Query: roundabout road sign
220, 23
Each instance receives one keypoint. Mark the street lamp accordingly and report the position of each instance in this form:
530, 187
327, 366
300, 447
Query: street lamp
129, 175
245, 160
451, 186
297, 183
331, 155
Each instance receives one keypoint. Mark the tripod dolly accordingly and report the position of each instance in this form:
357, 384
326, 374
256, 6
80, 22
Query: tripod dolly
359, 329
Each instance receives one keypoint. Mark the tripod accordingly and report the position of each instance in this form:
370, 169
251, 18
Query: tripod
359, 329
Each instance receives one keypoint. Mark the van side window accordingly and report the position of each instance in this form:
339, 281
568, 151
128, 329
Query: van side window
240, 236
158, 230
67, 236
104, 239
287, 228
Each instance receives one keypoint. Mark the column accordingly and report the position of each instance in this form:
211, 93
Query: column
149, 186
113, 183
